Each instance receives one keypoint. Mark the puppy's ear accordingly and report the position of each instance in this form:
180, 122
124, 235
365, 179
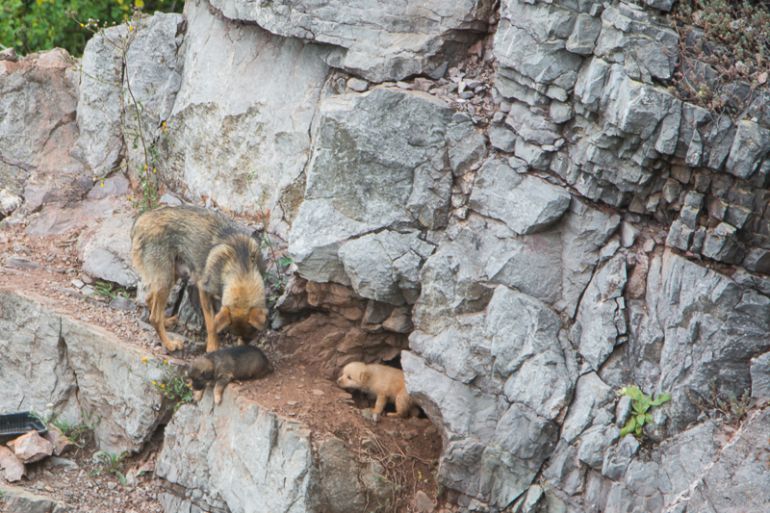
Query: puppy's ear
363, 378
222, 319
257, 317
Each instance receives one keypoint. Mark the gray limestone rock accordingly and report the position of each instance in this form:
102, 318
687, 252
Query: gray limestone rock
106, 251
526, 352
750, 147
380, 159
240, 456
385, 265
110, 95
82, 370
502, 138
378, 41
524, 203
722, 244
601, 321
647, 47
530, 39
693, 306
245, 150
583, 36
532, 125
760, 377
38, 98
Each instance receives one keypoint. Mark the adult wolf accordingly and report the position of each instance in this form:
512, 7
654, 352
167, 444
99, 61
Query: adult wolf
221, 259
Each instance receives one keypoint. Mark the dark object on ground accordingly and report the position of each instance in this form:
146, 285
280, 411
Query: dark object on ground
13, 425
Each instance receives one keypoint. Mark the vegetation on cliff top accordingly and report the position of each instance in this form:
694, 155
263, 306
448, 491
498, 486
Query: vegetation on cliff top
35, 25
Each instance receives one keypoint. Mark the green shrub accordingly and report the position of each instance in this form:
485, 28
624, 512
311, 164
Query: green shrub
641, 404
35, 25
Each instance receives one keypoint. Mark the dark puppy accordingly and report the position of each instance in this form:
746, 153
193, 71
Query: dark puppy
223, 366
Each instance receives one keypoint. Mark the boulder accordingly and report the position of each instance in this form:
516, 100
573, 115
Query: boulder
240, 456
381, 159
38, 97
524, 203
31, 447
84, 371
129, 79
105, 250
245, 150
12, 467
377, 41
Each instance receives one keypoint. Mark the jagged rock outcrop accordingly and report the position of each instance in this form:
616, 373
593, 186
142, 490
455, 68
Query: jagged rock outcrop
53, 363
38, 98
377, 41
130, 76
239, 456
600, 231
378, 181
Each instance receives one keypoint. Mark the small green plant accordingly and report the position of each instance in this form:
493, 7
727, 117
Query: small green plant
76, 433
641, 404
274, 279
173, 386
109, 290
111, 463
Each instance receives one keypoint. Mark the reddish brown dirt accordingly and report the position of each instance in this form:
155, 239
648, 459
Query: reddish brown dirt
408, 449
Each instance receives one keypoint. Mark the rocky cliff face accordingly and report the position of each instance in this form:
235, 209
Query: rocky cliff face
544, 237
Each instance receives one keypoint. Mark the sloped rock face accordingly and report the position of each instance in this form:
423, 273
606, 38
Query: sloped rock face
53, 363
38, 98
120, 110
240, 457
245, 149
375, 40
379, 179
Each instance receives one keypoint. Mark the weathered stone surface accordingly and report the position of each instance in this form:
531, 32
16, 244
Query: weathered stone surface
525, 349
105, 250
12, 467
79, 368
760, 377
380, 159
38, 96
245, 150
241, 457
100, 143
31, 447
59, 441
601, 323
530, 39
377, 41
127, 74
532, 125
385, 265
20, 500
750, 146
584, 34
646, 47
524, 203
722, 244
731, 324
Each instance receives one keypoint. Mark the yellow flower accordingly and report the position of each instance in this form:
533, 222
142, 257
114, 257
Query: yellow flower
154, 383
101, 183
139, 4
145, 359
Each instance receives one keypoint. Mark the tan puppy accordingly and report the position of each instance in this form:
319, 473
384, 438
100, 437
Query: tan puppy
387, 383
